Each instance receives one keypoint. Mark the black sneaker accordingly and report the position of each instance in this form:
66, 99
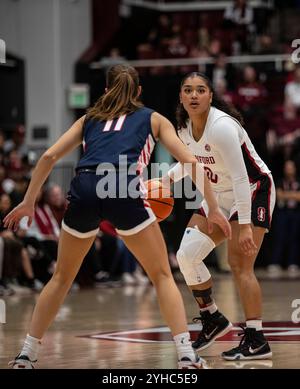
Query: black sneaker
253, 345
214, 326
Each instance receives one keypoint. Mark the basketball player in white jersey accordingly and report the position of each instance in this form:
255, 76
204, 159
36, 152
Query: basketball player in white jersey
245, 193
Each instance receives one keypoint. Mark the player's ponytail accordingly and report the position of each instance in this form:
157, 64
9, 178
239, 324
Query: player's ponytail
182, 115
122, 96
225, 107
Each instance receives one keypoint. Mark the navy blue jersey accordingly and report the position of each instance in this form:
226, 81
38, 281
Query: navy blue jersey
129, 135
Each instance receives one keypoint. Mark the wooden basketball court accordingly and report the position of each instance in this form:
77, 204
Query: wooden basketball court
122, 328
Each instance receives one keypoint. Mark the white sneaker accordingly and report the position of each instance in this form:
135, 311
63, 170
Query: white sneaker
128, 279
37, 285
21, 362
75, 287
293, 272
17, 288
186, 364
274, 272
140, 278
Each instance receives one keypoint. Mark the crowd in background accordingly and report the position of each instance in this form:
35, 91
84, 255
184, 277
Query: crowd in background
28, 255
270, 105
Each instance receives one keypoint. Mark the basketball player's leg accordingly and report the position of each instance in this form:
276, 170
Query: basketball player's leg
250, 293
149, 247
71, 252
196, 244
201, 290
199, 222
243, 271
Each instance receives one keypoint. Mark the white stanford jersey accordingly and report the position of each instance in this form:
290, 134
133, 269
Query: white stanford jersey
228, 157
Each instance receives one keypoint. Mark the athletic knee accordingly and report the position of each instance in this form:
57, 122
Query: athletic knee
62, 278
159, 274
194, 248
239, 266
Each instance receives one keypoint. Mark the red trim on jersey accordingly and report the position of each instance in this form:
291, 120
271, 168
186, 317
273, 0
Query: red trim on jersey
201, 212
145, 155
233, 216
256, 190
263, 174
269, 199
149, 148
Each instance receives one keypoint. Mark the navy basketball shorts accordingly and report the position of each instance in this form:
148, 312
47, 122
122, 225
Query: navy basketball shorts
263, 201
85, 209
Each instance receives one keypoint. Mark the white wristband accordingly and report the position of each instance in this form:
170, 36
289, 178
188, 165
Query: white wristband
177, 172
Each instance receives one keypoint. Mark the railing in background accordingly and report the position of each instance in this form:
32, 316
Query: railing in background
277, 59
62, 172
182, 6
62, 175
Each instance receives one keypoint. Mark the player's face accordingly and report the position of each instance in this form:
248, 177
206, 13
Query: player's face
195, 95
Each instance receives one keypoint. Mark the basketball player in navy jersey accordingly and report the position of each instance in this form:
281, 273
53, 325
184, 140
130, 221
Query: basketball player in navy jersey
117, 125
245, 192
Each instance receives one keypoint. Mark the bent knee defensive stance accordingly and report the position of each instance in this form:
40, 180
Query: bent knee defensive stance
194, 248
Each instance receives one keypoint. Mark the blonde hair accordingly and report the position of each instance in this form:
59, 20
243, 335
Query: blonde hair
122, 96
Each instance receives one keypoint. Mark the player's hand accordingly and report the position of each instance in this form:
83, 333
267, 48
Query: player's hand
216, 216
11, 221
246, 240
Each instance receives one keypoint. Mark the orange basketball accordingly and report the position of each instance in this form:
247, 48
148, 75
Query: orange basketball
160, 199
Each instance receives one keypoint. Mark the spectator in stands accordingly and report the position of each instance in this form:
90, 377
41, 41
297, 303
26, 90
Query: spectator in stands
176, 48
197, 52
157, 39
43, 235
250, 92
286, 231
222, 92
17, 142
265, 45
132, 273
16, 260
203, 38
19, 190
164, 28
292, 90
251, 99
57, 202
282, 137
215, 47
118, 264
107, 246
114, 57
2, 177
220, 69
2, 140
238, 16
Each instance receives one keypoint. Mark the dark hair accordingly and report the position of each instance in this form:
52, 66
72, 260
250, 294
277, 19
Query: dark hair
182, 115
121, 98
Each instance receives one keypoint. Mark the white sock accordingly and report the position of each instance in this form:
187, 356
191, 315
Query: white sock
212, 308
31, 347
257, 324
184, 346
